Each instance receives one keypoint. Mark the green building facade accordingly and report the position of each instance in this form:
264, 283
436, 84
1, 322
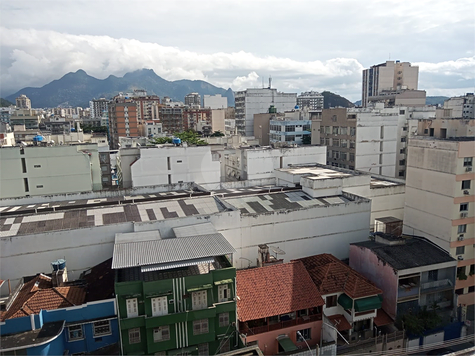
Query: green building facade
186, 310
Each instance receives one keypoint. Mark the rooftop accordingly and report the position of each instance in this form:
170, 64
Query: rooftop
319, 172
149, 251
111, 213
39, 294
415, 252
331, 275
275, 290
265, 203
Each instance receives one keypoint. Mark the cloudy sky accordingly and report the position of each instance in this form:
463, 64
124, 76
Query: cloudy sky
303, 45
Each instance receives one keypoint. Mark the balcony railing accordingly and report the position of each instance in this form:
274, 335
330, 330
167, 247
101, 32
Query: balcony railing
436, 285
245, 329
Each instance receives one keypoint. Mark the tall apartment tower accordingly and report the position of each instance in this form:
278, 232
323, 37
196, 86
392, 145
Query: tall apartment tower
440, 204
193, 99
98, 107
258, 101
23, 102
312, 100
389, 76
123, 120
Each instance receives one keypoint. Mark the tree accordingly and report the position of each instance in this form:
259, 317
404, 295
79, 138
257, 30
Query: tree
306, 139
217, 134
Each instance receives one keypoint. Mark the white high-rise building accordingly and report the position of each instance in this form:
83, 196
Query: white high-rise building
387, 77
214, 102
98, 108
312, 100
258, 101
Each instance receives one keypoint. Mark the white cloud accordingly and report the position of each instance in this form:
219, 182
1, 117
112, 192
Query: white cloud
35, 57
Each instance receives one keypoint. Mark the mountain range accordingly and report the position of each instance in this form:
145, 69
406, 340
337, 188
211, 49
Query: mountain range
78, 88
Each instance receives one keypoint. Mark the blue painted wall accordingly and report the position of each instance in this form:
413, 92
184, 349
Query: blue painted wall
84, 313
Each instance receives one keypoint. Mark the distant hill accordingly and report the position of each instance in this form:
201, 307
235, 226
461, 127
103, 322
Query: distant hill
331, 100
5, 103
430, 100
78, 88
436, 100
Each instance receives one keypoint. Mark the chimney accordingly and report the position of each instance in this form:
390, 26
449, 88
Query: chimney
60, 273
263, 255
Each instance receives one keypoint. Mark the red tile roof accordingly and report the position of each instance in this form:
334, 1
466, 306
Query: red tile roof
38, 294
340, 322
332, 276
382, 318
274, 290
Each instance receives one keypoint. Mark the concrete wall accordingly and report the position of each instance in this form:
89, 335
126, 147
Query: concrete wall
169, 165
49, 170
377, 271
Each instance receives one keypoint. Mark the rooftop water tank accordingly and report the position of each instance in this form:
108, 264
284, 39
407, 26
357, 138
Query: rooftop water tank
176, 141
58, 265
38, 138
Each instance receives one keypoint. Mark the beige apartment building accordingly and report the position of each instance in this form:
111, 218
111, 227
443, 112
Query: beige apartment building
388, 77
440, 202
23, 102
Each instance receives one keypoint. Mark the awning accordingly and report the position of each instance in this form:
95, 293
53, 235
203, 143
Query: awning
224, 281
178, 264
365, 304
205, 286
287, 344
345, 301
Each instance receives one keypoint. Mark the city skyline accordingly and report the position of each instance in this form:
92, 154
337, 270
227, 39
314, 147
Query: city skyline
307, 46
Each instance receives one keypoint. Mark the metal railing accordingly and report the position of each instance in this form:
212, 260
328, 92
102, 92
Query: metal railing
245, 329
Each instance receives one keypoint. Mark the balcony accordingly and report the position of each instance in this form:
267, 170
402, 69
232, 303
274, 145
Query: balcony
408, 291
245, 329
433, 286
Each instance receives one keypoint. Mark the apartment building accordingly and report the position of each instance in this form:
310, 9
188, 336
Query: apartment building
193, 99
32, 170
23, 102
28, 117
172, 119
214, 102
197, 119
97, 107
258, 101
178, 300
311, 100
389, 76
148, 106
368, 139
440, 202
461, 107
123, 121
412, 272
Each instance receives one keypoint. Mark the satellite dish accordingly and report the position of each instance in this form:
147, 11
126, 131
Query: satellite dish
277, 250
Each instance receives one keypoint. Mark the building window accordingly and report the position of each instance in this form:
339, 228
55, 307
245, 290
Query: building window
102, 328
403, 139
343, 130
344, 143
331, 301
402, 162
223, 293
336, 142
465, 184
37, 166
303, 335
459, 291
159, 306
352, 131
203, 349
336, 130
134, 336
433, 275
132, 310
352, 144
464, 207
461, 229
75, 333
161, 333
199, 300
402, 150
352, 157
467, 161
401, 173
460, 250
200, 326
223, 319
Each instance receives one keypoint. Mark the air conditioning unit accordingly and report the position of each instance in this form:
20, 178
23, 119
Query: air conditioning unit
466, 192
460, 238
468, 169
171, 301
460, 258
463, 215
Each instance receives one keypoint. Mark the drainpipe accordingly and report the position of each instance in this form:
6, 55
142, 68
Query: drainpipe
118, 323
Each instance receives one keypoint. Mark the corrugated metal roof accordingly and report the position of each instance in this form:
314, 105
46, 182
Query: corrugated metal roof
178, 264
144, 253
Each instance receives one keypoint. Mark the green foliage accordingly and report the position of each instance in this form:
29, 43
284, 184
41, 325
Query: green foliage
190, 137
89, 129
306, 139
462, 276
5, 103
418, 323
331, 100
217, 134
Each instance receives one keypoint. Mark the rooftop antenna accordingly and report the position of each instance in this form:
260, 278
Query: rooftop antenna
270, 82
